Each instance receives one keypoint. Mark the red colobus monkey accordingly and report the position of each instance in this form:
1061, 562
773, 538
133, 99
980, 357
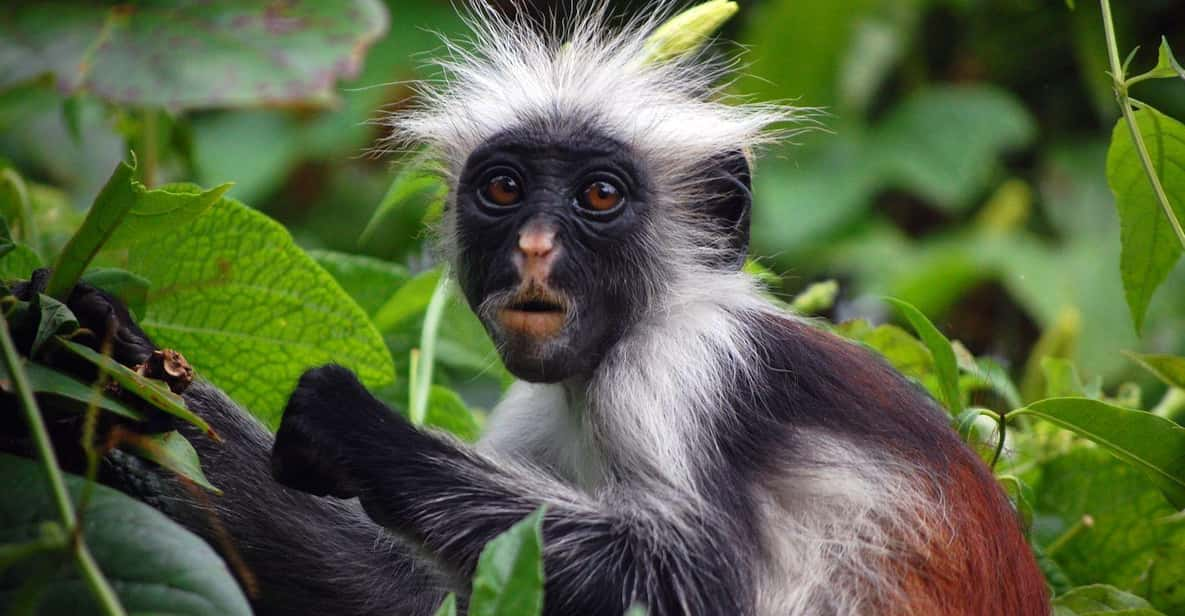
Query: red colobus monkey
699, 451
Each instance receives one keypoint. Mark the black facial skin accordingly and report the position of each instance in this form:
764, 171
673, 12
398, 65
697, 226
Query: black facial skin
598, 252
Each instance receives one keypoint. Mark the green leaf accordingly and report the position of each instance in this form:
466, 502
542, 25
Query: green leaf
19, 264
117, 197
371, 282
509, 577
448, 607
1150, 248
152, 392
408, 301
447, 411
942, 143
250, 310
1021, 495
154, 565
1102, 521
1101, 599
6, 243
160, 210
47, 382
908, 355
191, 55
55, 318
172, 451
1168, 368
945, 364
413, 187
131, 289
1146, 441
1166, 67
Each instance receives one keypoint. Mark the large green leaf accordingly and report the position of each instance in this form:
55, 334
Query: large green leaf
190, 55
1103, 522
154, 565
1153, 444
1101, 599
1150, 248
509, 577
160, 210
250, 310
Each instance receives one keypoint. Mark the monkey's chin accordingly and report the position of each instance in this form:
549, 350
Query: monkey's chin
538, 326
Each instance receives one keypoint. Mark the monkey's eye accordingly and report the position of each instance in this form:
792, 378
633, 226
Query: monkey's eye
601, 196
502, 191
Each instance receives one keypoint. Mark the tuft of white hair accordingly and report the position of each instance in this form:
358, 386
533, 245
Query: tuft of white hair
513, 72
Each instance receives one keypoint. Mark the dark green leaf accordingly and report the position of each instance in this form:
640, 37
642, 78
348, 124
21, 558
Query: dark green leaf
191, 55
172, 451
131, 289
509, 577
945, 364
250, 310
117, 197
6, 243
1150, 248
153, 392
46, 381
1168, 368
55, 318
1151, 443
408, 301
154, 565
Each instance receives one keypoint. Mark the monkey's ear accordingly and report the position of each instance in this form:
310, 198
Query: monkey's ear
728, 208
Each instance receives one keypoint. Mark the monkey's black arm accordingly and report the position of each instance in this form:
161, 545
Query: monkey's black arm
293, 553
600, 554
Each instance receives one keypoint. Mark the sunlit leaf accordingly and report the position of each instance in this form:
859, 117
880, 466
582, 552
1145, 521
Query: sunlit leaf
1150, 247
1146, 441
250, 310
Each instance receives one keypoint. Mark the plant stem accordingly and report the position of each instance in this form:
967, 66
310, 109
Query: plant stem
1119, 82
427, 356
102, 590
1002, 426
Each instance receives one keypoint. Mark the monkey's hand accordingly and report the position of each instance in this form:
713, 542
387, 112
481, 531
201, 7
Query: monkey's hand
329, 418
102, 314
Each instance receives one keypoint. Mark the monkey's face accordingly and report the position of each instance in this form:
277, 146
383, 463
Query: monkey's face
551, 250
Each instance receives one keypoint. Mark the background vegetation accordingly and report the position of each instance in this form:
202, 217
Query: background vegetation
964, 170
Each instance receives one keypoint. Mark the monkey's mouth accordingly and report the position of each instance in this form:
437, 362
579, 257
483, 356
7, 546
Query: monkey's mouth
535, 312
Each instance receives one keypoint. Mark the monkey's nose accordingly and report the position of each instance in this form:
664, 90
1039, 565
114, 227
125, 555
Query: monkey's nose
536, 242
537, 249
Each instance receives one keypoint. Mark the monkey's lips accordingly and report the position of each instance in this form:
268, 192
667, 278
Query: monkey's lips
535, 314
